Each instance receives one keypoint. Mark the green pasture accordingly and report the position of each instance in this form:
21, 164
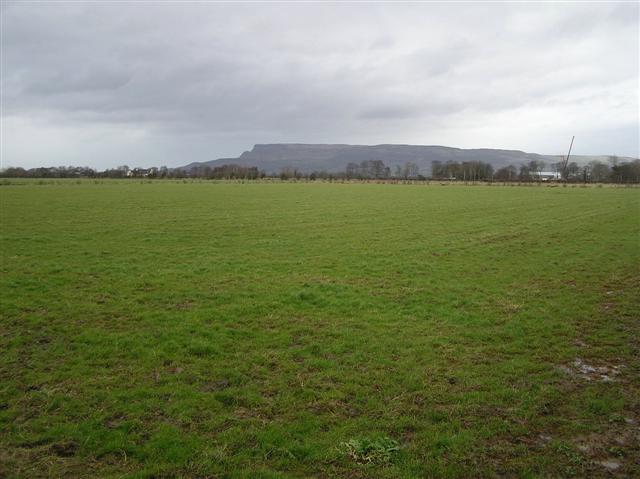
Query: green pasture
178, 329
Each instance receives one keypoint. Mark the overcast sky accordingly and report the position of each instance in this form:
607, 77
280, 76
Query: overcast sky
104, 84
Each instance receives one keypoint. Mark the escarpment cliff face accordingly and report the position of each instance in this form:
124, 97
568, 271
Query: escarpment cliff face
272, 158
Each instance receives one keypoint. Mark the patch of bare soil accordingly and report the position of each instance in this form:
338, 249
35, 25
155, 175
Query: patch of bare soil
616, 450
589, 372
64, 449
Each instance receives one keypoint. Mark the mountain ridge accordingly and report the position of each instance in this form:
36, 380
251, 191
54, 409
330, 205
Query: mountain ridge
334, 157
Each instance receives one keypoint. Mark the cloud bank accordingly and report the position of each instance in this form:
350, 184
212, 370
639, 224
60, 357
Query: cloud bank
171, 83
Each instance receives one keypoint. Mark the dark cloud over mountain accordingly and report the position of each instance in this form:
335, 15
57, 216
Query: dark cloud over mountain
169, 83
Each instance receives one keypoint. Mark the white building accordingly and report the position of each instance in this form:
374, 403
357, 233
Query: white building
549, 175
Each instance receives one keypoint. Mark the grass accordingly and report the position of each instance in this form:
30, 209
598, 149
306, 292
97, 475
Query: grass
172, 329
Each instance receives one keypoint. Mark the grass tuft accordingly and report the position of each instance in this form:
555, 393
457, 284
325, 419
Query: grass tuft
379, 450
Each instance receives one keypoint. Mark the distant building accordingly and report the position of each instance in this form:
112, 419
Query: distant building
549, 175
141, 172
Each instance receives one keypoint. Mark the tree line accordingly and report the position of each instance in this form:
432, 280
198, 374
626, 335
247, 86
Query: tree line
466, 171
613, 171
376, 169
219, 172
595, 171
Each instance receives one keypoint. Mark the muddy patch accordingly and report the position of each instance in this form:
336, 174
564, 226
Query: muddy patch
213, 386
610, 465
64, 449
612, 450
184, 306
590, 372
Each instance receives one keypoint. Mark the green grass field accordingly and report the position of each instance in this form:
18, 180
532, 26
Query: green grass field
322, 330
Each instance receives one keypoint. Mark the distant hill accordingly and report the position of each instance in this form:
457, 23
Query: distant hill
272, 158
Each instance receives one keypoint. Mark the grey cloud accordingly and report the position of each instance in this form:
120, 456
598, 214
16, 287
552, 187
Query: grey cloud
382, 43
390, 112
402, 110
212, 79
72, 82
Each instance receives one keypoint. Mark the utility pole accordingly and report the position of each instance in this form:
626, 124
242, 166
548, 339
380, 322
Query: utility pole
566, 160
